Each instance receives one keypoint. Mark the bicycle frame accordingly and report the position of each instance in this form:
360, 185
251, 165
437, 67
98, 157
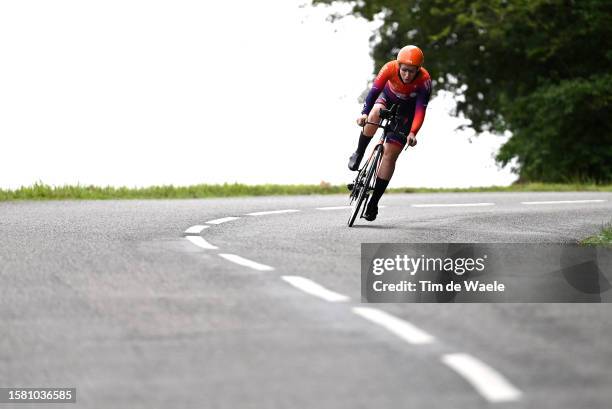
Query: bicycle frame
363, 182
387, 115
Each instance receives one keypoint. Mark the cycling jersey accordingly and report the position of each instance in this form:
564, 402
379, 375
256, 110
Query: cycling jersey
412, 97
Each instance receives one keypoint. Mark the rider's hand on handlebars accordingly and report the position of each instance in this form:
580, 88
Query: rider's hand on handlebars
412, 139
361, 121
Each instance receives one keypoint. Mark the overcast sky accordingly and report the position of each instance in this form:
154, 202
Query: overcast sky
138, 93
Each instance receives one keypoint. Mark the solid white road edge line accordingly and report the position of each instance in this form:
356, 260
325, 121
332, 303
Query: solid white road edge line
246, 262
272, 212
489, 383
333, 207
454, 205
196, 229
222, 220
401, 328
200, 242
564, 201
312, 288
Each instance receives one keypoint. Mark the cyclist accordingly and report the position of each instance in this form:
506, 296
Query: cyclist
406, 83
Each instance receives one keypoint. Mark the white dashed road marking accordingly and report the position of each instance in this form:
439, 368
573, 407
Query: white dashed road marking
222, 220
200, 242
334, 208
453, 205
246, 262
195, 229
312, 288
489, 383
564, 201
272, 212
401, 328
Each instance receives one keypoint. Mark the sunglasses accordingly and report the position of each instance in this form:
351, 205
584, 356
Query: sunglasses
410, 70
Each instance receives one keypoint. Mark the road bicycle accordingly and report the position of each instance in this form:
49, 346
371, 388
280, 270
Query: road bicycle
363, 184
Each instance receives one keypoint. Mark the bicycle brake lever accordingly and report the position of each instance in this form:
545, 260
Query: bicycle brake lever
407, 144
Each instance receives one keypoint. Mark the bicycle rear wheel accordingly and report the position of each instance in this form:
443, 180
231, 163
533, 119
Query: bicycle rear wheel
365, 183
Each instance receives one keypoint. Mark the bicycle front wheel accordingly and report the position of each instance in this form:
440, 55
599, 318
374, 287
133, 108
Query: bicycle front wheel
365, 183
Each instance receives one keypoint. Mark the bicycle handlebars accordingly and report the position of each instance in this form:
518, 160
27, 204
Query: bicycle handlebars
388, 115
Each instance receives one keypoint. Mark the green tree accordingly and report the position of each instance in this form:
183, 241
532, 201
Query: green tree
539, 68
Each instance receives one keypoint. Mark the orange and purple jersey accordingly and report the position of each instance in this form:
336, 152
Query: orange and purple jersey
388, 88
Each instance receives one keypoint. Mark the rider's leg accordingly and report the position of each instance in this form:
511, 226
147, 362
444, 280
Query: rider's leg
374, 116
391, 153
396, 141
387, 166
365, 137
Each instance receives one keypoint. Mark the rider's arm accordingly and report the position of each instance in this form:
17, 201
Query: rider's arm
379, 83
421, 105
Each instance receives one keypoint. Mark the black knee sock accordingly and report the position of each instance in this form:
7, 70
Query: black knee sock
363, 143
379, 189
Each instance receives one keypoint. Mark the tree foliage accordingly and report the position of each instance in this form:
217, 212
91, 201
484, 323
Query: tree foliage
539, 68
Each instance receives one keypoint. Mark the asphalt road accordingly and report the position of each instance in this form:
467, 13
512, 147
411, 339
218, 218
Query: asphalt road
263, 310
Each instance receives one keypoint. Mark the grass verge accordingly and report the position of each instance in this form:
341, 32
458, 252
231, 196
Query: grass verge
41, 191
604, 238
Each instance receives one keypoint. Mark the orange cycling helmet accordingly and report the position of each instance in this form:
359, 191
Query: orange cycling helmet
411, 55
